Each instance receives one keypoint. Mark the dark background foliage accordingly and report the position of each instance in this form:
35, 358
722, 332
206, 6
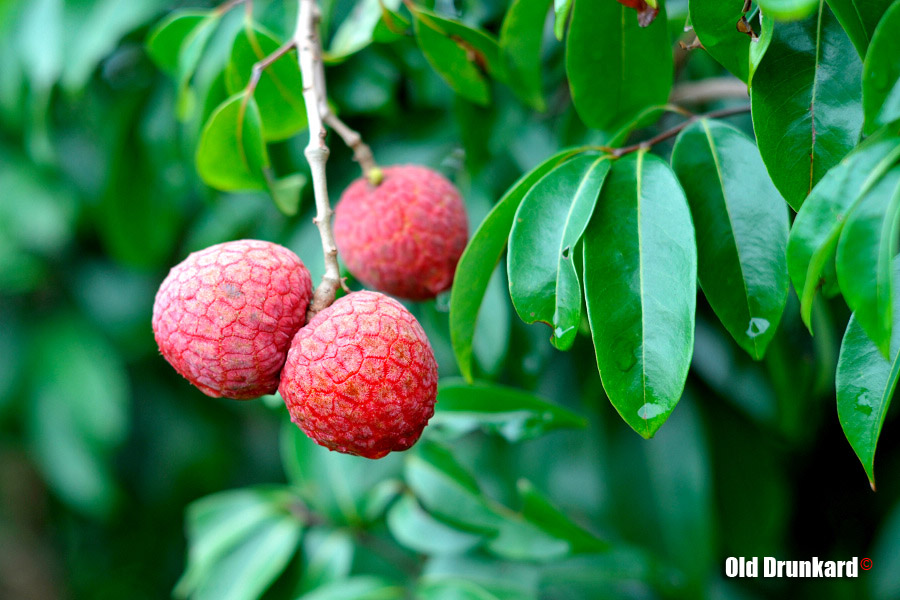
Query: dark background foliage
102, 445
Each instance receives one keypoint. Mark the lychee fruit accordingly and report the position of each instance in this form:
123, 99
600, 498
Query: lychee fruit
405, 235
225, 316
361, 378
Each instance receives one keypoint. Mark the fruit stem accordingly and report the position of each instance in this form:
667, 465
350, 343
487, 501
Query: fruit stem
309, 50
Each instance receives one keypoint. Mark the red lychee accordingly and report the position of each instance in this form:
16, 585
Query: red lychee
361, 377
405, 235
225, 316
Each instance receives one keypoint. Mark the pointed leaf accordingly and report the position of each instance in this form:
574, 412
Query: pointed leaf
520, 49
859, 18
357, 30
868, 243
817, 227
511, 413
286, 193
539, 510
616, 68
473, 272
561, 10
760, 45
741, 224
279, 92
807, 112
415, 529
640, 272
231, 154
865, 383
715, 22
543, 282
881, 72
169, 39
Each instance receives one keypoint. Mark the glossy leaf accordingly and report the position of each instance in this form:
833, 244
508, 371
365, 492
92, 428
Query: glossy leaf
561, 10
279, 92
286, 193
881, 72
357, 30
511, 413
807, 112
231, 154
760, 46
543, 281
715, 22
461, 55
859, 18
788, 10
520, 49
539, 510
473, 272
741, 225
868, 243
640, 273
169, 43
616, 68
358, 587
240, 542
415, 529
865, 383
448, 491
817, 228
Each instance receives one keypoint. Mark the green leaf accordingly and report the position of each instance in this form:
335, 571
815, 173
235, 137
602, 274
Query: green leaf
240, 542
543, 282
477, 578
539, 510
616, 68
859, 18
511, 413
231, 154
359, 587
741, 225
415, 529
868, 243
286, 192
447, 490
279, 92
865, 384
167, 41
715, 22
759, 48
340, 486
78, 412
788, 10
561, 10
473, 272
328, 557
807, 112
640, 272
817, 228
460, 54
520, 49
357, 30
881, 72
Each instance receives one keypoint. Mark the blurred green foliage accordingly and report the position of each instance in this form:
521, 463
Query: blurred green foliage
102, 445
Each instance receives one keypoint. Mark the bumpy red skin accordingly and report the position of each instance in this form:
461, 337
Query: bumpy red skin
225, 316
361, 377
405, 235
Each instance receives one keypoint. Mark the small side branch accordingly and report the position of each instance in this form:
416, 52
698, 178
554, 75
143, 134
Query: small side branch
670, 133
309, 49
361, 151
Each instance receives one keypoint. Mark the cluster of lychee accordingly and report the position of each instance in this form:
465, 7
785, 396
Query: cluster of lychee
360, 377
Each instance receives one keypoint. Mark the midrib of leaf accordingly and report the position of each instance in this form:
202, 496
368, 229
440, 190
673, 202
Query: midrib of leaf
713, 151
562, 239
640, 165
812, 102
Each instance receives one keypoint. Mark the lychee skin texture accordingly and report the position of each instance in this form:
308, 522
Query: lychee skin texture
361, 377
405, 235
225, 316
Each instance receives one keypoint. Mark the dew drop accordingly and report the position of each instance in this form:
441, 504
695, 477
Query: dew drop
864, 403
565, 252
758, 326
648, 411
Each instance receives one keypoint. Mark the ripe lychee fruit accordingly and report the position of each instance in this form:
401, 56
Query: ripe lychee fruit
361, 377
225, 316
405, 235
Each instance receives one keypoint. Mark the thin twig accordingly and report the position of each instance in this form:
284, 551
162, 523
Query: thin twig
646, 144
717, 88
361, 151
309, 46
